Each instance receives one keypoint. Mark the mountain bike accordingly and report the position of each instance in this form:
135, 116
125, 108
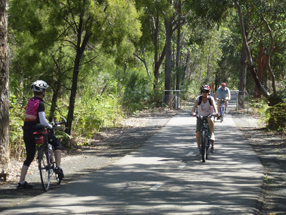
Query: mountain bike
205, 137
46, 157
221, 109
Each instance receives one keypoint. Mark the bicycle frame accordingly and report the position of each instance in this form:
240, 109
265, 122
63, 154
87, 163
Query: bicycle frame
222, 109
205, 138
46, 156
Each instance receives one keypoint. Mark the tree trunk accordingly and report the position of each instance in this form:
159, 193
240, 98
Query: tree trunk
208, 62
178, 79
185, 68
261, 65
248, 54
4, 91
168, 60
242, 83
54, 101
270, 54
81, 45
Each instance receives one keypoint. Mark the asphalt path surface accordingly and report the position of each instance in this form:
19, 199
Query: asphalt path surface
163, 176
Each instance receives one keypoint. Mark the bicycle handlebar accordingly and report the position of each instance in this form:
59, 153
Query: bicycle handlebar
201, 117
223, 100
64, 122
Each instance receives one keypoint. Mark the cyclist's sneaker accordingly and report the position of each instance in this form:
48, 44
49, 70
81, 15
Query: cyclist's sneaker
24, 185
59, 172
225, 111
212, 136
212, 150
198, 151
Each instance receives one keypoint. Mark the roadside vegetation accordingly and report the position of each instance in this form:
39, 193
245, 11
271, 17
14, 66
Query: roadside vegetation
107, 59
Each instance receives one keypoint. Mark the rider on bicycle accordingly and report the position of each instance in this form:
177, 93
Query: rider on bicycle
35, 114
206, 106
222, 93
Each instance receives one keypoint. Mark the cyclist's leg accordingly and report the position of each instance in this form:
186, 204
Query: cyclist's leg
225, 104
218, 106
31, 151
56, 143
211, 125
211, 128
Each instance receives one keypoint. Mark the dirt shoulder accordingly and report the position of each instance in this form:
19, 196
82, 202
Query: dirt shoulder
270, 147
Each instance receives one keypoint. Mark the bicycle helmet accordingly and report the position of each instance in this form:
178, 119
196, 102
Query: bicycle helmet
223, 84
39, 86
205, 87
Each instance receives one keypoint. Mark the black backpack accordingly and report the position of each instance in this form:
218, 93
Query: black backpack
201, 98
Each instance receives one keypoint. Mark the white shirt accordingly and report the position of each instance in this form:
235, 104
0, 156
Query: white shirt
205, 109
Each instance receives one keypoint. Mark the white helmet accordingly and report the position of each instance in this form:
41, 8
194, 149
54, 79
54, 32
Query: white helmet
39, 86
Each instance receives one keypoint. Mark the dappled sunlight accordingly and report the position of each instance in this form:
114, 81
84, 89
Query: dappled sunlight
161, 177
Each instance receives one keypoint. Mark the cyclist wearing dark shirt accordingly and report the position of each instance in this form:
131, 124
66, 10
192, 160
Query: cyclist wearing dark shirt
35, 114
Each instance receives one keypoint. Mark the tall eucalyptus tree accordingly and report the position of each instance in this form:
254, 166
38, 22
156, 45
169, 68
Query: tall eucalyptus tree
4, 90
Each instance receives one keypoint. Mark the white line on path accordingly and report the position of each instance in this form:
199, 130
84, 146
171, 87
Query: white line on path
156, 186
182, 166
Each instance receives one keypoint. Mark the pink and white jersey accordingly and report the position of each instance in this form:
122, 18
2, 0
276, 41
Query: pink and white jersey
32, 110
205, 109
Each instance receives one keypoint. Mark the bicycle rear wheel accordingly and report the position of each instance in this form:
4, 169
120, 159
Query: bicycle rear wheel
203, 145
45, 167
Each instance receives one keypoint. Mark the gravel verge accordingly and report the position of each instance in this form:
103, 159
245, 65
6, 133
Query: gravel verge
270, 147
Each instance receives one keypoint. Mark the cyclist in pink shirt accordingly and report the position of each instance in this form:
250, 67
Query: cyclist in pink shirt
206, 106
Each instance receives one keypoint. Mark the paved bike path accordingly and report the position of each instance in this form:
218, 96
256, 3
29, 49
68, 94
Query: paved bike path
164, 177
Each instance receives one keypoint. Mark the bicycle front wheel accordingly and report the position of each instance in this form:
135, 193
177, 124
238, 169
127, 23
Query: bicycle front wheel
45, 167
203, 145
221, 113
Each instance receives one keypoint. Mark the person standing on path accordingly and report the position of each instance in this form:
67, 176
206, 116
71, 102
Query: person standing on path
35, 114
206, 106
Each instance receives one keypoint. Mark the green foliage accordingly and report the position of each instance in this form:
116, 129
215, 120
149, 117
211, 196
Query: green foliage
17, 146
137, 92
94, 113
277, 116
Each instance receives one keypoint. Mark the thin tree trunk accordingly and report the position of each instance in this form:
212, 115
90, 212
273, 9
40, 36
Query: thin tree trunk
144, 62
81, 45
54, 101
249, 58
208, 64
178, 79
242, 83
185, 68
168, 60
270, 54
4, 91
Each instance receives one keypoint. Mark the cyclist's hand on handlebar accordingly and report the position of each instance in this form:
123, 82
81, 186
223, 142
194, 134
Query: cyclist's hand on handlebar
216, 99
